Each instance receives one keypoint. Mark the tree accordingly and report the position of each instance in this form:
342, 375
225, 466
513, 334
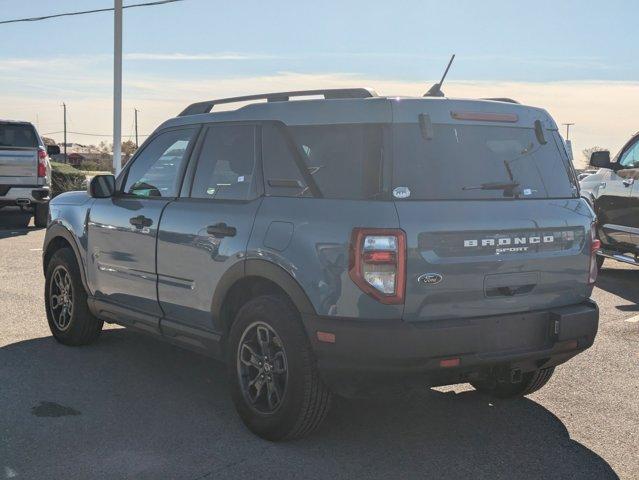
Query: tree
589, 151
105, 147
128, 148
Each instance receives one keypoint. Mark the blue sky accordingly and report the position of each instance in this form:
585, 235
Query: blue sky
547, 51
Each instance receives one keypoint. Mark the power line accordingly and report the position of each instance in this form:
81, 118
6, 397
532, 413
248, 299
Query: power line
89, 134
84, 12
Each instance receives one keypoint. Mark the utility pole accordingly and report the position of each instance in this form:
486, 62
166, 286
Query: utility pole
568, 142
64, 107
117, 86
136, 128
568, 125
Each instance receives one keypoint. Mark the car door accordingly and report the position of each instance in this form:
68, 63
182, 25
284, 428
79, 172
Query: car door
618, 194
122, 230
204, 233
630, 158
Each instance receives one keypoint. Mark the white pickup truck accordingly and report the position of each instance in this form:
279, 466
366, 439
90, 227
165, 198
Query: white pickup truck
25, 170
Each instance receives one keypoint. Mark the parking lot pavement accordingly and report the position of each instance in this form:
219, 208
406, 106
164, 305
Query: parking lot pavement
131, 407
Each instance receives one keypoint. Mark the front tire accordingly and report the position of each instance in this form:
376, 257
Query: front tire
70, 320
275, 385
530, 382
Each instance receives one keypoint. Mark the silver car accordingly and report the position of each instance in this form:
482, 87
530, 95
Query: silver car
25, 169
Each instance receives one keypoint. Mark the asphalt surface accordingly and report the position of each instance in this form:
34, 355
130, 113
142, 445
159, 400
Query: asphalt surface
132, 407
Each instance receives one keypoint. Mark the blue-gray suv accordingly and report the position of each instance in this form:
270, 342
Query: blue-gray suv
330, 241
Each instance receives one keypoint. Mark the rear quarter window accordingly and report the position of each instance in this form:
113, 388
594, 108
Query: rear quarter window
344, 161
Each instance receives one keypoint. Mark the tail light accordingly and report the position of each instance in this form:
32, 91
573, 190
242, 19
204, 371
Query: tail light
378, 263
42, 162
595, 245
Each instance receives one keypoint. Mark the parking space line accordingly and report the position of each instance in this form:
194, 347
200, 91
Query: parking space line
634, 319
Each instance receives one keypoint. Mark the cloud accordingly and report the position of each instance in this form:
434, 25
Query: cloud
604, 112
194, 57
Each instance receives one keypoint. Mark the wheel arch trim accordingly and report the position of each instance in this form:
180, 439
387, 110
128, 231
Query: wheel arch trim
59, 231
268, 271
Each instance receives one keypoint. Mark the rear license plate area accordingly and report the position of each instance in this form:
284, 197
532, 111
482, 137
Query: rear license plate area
514, 332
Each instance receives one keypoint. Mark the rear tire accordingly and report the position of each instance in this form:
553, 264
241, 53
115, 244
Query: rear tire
268, 347
70, 320
41, 215
600, 261
530, 382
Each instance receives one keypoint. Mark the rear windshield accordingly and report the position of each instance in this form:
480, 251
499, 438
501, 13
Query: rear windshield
466, 162
17, 135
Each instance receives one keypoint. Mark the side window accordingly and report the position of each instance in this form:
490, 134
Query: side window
630, 158
156, 172
282, 177
226, 165
346, 161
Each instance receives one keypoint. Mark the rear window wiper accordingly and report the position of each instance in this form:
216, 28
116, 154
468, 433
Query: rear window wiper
511, 189
506, 186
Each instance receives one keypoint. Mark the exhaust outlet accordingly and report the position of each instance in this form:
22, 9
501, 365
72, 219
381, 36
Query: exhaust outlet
23, 202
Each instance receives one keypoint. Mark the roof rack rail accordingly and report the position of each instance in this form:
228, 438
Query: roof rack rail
329, 94
501, 99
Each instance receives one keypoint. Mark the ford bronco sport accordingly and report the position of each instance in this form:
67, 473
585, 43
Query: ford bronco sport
318, 243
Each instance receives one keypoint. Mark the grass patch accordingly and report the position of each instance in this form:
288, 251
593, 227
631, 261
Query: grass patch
65, 178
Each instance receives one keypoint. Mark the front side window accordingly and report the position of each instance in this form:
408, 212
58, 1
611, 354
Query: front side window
630, 158
226, 165
157, 170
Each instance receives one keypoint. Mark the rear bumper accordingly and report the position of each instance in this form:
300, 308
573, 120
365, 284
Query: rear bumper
524, 341
32, 193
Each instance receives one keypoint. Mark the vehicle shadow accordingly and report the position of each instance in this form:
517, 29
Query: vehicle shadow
129, 406
13, 222
622, 283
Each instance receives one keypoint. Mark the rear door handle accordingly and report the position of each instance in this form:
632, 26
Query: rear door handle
221, 230
628, 181
141, 221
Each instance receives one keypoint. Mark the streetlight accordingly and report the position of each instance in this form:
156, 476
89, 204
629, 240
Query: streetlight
117, 86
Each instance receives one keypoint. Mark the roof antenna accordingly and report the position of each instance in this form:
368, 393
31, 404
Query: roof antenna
436, 89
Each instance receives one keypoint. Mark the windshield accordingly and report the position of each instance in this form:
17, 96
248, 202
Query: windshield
17, 135
466, 162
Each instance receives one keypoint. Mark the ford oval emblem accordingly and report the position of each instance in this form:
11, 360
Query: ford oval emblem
430, 278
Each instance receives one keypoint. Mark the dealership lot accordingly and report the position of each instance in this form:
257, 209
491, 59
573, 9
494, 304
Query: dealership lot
132, 407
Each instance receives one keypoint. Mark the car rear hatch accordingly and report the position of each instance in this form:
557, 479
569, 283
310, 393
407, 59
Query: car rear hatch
18, 154
492, 217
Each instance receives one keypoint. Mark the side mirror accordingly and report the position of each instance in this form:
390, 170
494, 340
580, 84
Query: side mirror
53, 150
102, 186
600, 159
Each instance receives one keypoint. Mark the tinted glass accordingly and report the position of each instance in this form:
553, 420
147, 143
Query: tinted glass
226, 163
478, 162
16, 135
157, 170
344, 160
630, 158
282, 176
